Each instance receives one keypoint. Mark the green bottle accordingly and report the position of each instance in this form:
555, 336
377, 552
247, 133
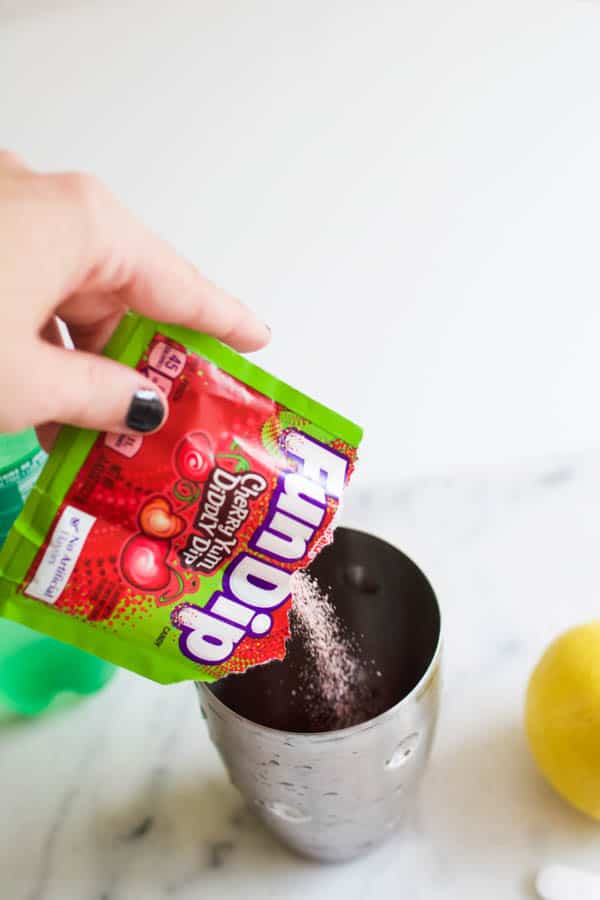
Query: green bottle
21, 461
35, 670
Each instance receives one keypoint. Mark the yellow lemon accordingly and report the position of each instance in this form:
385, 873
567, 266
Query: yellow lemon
562, 716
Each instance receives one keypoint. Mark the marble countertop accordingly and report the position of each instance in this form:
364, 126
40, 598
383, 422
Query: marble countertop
123, 796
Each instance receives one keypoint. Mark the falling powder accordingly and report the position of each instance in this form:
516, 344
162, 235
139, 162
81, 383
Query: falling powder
335, 683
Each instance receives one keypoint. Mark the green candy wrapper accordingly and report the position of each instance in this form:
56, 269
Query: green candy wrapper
171, 554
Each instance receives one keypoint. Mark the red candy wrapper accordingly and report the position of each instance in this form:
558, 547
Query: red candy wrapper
171, 554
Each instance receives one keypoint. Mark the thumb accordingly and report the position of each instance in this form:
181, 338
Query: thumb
92, 391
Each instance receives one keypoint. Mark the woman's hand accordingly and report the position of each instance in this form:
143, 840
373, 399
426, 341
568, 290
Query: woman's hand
69, 249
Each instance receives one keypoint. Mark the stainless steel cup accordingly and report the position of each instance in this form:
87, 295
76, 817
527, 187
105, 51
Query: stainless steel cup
332, 795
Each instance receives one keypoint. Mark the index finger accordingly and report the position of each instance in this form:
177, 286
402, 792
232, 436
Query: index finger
94, 244
151, 277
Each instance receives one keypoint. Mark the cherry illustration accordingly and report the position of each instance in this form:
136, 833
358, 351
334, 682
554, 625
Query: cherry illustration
194, 456
158, 520
143, 562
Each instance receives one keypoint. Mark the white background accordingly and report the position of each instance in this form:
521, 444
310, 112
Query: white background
407, 192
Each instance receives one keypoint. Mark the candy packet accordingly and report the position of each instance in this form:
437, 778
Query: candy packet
171, 554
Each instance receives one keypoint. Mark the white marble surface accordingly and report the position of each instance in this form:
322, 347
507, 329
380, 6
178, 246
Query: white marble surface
123, 796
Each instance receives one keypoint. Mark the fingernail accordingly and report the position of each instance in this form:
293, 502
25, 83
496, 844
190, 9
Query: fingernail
146, 411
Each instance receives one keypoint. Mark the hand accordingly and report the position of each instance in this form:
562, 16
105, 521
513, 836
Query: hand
69, 249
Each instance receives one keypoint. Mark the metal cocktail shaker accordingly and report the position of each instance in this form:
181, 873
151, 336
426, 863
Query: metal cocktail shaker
334, 795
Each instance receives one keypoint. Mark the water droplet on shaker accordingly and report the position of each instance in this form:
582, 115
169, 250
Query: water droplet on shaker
403, 751
284, 811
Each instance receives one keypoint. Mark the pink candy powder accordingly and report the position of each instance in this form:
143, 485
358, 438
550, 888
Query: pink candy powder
335, 682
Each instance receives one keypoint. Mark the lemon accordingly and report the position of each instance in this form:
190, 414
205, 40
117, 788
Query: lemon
562, 716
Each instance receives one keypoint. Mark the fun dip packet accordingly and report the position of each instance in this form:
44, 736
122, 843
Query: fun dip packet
171, 554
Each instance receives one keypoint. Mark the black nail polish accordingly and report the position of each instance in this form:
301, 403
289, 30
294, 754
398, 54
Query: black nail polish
146, 411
